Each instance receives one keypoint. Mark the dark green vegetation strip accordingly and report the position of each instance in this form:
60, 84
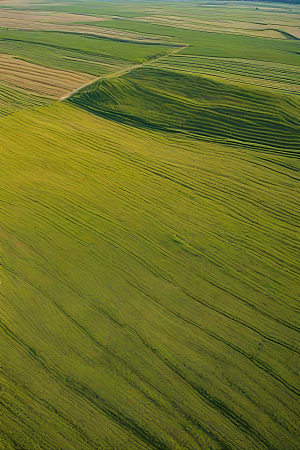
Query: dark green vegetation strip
162, 99
148, 289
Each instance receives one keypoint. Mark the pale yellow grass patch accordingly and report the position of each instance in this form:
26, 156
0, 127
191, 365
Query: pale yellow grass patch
294, 31
41, 80
268, 34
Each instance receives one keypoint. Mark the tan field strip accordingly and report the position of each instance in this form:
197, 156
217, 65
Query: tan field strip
47, 17
41, 80
294, 31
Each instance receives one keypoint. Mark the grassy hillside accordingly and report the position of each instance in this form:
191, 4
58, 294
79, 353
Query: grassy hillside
149, 289
169, 100
149, 227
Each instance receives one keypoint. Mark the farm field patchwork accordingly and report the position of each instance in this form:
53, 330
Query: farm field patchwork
63, 22
149, 225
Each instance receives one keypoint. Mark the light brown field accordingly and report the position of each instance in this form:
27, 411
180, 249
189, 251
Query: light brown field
45, 16
294, 31
45, 81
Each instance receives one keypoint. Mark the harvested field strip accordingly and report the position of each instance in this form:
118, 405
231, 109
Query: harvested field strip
42, 17
150, 283
274, 76
12, 100
170, 100
38, 79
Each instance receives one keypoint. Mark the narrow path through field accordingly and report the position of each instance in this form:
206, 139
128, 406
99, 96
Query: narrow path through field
121, 72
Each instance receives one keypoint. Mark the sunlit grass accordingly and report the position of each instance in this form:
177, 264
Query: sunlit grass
148, 288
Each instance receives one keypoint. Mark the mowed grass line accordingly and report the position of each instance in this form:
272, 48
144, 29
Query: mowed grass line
149, 288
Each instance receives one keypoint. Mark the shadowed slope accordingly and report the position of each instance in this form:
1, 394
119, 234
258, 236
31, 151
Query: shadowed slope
162, 99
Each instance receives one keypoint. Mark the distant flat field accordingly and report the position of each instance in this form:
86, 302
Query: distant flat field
11, 16
39, 79
247, 19
72, 23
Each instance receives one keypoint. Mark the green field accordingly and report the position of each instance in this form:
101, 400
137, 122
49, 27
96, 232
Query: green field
149, 234
74, 52
246, 47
